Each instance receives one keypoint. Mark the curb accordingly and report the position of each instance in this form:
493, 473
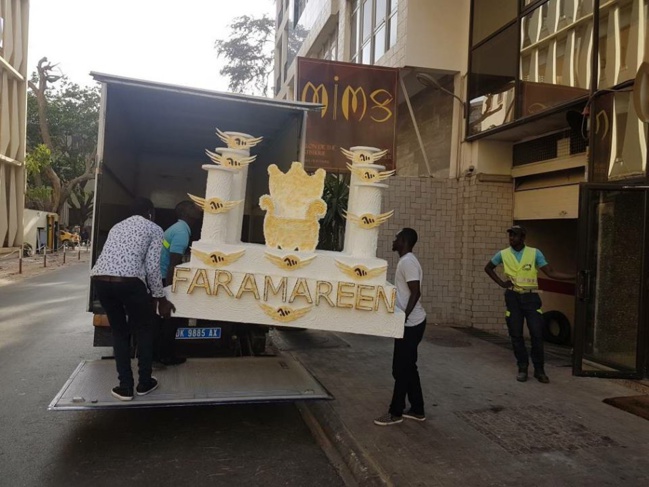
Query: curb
353, 463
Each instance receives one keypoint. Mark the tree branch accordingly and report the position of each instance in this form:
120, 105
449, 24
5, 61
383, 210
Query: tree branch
43, 74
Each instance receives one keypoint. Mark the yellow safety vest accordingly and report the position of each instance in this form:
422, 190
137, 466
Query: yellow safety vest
523, 274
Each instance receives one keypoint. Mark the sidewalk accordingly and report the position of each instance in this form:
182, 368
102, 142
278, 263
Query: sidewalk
483, 427
33, 266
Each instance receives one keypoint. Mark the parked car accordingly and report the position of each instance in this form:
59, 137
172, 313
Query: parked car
69, 239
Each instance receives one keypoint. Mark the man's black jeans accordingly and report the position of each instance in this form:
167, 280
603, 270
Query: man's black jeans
129, 299
525, 307
405, 373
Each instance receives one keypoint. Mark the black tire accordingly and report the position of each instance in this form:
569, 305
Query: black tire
557, 328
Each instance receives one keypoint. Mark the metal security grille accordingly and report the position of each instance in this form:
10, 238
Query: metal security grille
559, 144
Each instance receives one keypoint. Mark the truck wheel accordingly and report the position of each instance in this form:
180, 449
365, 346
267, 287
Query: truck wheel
557, 328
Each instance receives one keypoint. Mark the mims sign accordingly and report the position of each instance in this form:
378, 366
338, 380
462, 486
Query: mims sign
359, 108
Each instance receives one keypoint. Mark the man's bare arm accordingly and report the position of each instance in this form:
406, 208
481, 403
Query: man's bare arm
490, 270
415, 294
559, 276
174, 260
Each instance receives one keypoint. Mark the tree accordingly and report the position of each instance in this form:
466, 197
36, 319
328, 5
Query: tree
248, 52
83, 203
61, 137
332, 225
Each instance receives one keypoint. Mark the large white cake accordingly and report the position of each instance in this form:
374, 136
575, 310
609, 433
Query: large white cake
287, 282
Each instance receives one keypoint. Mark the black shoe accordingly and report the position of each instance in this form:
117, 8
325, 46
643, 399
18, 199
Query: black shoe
541, 377
144, 389
522, 374
122, 393
173, 361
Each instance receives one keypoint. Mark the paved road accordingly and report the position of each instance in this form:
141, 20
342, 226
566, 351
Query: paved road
45, 333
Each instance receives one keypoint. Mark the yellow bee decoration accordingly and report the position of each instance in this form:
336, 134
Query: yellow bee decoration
217, 259
370, 175
230, 161
238, 142
289, 262
214, 205
284, 314
368, 220
362, 156
360, 272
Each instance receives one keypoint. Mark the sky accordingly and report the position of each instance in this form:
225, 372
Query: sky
170, 41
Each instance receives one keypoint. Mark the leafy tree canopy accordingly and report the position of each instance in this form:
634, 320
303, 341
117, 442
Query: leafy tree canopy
248, 52
62, 124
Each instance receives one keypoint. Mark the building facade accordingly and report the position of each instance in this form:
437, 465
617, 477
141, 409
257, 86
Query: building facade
14, 16
521, 110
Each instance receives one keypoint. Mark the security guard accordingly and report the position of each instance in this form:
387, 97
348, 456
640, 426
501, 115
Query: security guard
523, 303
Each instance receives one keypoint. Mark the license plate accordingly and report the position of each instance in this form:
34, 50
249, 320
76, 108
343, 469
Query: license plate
195, 333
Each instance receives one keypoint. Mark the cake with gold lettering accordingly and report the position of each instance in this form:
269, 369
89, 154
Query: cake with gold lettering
287, 281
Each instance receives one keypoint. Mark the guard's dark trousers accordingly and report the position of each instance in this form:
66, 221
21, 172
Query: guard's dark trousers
405, 373
119, 300
525, 307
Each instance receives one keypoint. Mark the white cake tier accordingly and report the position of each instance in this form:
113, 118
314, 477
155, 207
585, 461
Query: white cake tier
367, 201
313, 303
238, 191
322, 264
219, 185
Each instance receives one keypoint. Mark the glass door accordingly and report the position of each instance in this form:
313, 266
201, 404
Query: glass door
611, 318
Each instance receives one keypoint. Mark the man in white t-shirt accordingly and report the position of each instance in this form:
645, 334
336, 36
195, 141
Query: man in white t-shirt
407, 280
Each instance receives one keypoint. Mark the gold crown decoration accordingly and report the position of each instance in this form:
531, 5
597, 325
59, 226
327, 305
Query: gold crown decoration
363, 156
285, 314
359, 272
217, 258
293, 208
236, 140
369, 175
214, 206
293, 191
289, 262
369, 220
231, 160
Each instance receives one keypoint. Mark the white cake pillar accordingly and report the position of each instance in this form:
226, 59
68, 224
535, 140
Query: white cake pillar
219, 185
239, 184
364, 197
363, 241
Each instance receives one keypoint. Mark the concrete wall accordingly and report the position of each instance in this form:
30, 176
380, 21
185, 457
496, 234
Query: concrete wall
437, 34
461, 225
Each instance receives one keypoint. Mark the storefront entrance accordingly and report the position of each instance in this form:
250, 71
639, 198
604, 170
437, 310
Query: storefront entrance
612, 313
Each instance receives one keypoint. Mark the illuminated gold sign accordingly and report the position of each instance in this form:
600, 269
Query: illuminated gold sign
305, 292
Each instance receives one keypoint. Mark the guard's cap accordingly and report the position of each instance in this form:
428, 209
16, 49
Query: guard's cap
518, 229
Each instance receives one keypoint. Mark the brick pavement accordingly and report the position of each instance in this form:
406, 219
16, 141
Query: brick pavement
481, 422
